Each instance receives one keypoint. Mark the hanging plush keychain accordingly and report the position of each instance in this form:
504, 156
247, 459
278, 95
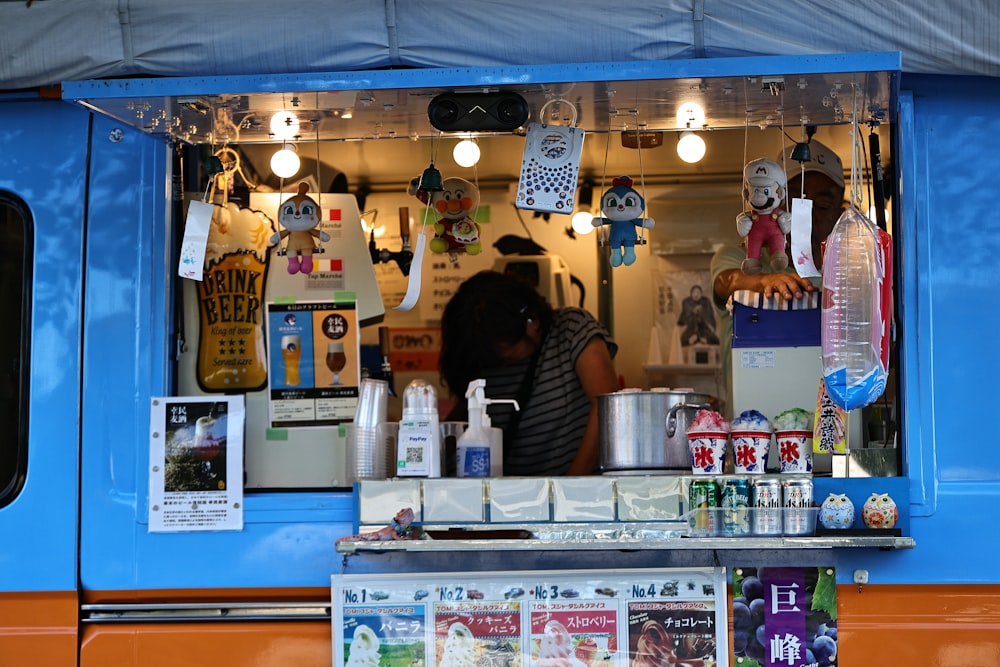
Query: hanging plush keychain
456, 202
766, 223
622, 206
299, 217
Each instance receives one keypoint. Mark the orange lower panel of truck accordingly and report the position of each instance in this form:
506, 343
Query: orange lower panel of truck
928, 625
38, 628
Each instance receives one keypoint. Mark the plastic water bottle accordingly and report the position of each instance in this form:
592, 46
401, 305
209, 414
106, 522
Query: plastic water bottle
854, 317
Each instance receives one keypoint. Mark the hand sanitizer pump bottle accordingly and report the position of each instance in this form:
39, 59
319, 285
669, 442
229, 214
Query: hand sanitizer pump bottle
419, 440
480, 449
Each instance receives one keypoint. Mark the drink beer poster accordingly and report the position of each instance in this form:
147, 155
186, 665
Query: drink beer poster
196, 463
313, 359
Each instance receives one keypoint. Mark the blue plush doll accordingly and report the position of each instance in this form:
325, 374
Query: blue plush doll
622, 207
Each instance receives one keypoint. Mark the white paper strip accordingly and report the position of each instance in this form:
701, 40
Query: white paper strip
802, 254
192, 260
413, 286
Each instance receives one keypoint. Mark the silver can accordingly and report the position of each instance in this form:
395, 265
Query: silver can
800, 517
767, 506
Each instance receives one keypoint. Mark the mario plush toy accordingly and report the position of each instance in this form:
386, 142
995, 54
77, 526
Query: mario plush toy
456, 202
299, 216
766, 223
622, 207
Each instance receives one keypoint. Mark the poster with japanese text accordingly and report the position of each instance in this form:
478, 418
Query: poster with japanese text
196, 463
313, 353
574, 618
785, 616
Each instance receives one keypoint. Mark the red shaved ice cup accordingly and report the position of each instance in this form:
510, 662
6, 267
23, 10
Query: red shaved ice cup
708, 451
750, 451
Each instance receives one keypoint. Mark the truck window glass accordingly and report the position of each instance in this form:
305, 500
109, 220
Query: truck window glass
15, 284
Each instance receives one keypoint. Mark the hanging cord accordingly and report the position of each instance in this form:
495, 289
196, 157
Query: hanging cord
602, 234
781, 150
319, 195
857, 154
642, 176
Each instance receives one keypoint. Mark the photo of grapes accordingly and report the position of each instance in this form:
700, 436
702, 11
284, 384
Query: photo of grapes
784, 616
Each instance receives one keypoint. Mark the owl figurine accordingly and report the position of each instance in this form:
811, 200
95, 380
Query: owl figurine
880, 511
837, 511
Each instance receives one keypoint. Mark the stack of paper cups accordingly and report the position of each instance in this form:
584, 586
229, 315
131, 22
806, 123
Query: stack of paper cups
365, 458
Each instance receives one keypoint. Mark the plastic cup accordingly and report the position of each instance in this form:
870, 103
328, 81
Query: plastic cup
794, 450
373, 401
364, 459
708, 452
750, 450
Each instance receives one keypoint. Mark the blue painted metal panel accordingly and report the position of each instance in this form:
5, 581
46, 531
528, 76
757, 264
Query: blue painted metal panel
482, 76
44, 149
288, 538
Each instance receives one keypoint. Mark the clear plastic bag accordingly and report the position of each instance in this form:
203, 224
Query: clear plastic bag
855, 312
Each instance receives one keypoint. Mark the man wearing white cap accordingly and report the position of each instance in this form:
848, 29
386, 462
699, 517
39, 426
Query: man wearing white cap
822, 180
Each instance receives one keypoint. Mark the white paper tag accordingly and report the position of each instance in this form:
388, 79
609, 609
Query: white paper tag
802, 254
196, 226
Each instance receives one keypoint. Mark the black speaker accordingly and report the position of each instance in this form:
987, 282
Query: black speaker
477, 112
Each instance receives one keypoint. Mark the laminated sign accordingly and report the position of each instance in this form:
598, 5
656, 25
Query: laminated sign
231, 352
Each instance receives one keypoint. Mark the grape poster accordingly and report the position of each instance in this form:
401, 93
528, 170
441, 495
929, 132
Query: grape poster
785, 616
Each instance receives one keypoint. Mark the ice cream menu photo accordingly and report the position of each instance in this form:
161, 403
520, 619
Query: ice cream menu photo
314, 367
581, 618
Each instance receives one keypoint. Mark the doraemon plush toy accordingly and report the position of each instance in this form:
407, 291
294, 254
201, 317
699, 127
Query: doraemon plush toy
299, 216
622, 207
766, 223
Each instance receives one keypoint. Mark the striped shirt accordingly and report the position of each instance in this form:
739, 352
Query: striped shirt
555, 417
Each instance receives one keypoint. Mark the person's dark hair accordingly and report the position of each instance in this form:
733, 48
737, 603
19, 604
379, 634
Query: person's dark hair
489, 308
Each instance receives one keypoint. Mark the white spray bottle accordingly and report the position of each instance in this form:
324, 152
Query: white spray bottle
480, 449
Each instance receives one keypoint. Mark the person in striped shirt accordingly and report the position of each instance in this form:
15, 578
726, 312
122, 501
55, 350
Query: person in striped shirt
554, 362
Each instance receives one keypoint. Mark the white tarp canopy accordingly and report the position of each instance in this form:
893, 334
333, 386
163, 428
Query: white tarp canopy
45, 42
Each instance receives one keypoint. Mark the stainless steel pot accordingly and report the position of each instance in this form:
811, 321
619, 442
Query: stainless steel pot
647, 430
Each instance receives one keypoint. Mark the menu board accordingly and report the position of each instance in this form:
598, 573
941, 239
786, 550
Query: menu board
313, 350
574, 618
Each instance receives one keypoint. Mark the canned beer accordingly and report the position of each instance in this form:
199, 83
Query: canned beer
735, 507
800, 518
767, 506
703, 501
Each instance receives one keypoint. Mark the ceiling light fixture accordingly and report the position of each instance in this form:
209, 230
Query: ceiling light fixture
285, 162
466, 153
284, 125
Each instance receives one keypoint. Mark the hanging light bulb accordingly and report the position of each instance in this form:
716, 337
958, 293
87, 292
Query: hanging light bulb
284, 125
466, 153
582, 220
690, 147
285, 161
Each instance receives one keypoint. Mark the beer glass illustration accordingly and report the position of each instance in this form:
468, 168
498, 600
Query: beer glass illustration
291, 353
335, 360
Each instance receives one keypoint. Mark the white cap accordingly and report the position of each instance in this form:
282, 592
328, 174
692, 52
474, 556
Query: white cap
821, 159
764, 172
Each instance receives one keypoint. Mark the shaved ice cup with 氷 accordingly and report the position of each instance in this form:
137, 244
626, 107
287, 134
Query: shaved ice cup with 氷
793, 435
751, 432
708, 438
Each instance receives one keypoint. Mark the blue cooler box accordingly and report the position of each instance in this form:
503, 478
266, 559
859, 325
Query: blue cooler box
774, 322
